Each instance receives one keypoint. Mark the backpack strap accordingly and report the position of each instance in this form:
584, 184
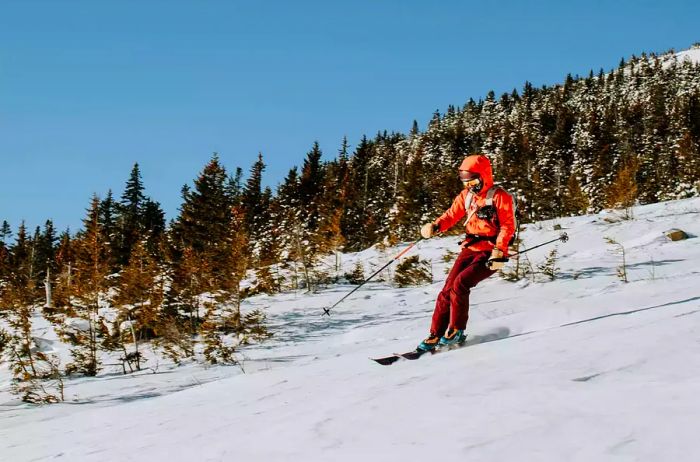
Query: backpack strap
473, 238
467, 206
470, 197
490, 193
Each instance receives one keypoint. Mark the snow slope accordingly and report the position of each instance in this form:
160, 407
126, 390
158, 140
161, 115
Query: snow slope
692, 55
583, 368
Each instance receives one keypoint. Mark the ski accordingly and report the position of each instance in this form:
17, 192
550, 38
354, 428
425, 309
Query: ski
387, 360
391, 359
410, 355
498, 334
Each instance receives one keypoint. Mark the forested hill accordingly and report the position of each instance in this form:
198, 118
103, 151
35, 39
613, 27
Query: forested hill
608, 139
611, 138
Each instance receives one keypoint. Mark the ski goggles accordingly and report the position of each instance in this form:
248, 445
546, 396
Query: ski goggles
467, 176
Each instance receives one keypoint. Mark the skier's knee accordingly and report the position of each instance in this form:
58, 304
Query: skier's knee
462, 285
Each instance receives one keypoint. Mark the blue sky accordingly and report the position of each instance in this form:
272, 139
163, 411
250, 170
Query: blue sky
87, 88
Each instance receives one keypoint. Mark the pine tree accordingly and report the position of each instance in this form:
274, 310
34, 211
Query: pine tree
574, 201
413, 202
45, 251
204, 215
4, 263
37, 375
138, 299
88, 289
5, 232
224, 327
153, 226
17, 298
623, 191
311, 187
210, 257
268, 246
357, 192
222, 316
357, 275
256, 206
288, 219
688, 155
129, 214
109, 214
413, 271
331, 204
65, 267
138, 218
549, 266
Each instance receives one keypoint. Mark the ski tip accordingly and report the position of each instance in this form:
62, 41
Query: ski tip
387, 360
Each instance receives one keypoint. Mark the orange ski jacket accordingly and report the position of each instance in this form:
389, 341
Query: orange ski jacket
503, 228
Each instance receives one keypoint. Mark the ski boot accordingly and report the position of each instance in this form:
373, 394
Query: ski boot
429, 343
453, 337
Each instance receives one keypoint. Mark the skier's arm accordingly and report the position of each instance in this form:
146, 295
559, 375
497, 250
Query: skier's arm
455, 213
506, 220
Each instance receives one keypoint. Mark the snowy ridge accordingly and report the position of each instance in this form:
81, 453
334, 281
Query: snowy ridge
585, 368
692, 55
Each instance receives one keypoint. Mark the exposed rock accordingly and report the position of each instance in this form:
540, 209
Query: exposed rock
676, 234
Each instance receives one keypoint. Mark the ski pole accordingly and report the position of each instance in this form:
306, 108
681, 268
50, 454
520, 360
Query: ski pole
563, 237
328, 310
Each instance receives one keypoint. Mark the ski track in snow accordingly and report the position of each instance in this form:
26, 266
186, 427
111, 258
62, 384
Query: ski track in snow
582, 368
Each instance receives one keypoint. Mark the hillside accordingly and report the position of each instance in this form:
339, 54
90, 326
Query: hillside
585, 367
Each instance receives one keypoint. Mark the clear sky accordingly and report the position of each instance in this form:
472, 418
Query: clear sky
87, 88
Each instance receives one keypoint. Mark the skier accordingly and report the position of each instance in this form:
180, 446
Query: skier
490, 226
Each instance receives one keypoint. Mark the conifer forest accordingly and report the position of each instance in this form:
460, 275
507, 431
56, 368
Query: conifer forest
610, 139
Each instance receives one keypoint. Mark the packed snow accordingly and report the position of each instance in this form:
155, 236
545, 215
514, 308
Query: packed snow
581, 368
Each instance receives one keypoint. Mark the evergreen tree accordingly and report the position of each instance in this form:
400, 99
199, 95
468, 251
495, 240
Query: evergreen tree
224, 328
109, 214
288, 219
46, 242
357, 194
256, 206
210, 240
574, 201
130, 206
268, 246
5, 232
203, 222
623, 191
138, 218
138, 298
153, 226
65, 267
21, 255
4, 263
413, 202
30, 366
88, 289
234, 187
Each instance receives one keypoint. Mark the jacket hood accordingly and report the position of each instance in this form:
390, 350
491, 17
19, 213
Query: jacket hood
480, 164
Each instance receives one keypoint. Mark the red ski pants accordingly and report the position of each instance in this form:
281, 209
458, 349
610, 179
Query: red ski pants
452, 305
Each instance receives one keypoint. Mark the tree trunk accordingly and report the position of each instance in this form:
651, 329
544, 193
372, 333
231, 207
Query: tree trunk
136, 343
47, 286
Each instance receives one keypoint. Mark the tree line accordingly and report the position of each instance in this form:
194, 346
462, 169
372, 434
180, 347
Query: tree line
630, 135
